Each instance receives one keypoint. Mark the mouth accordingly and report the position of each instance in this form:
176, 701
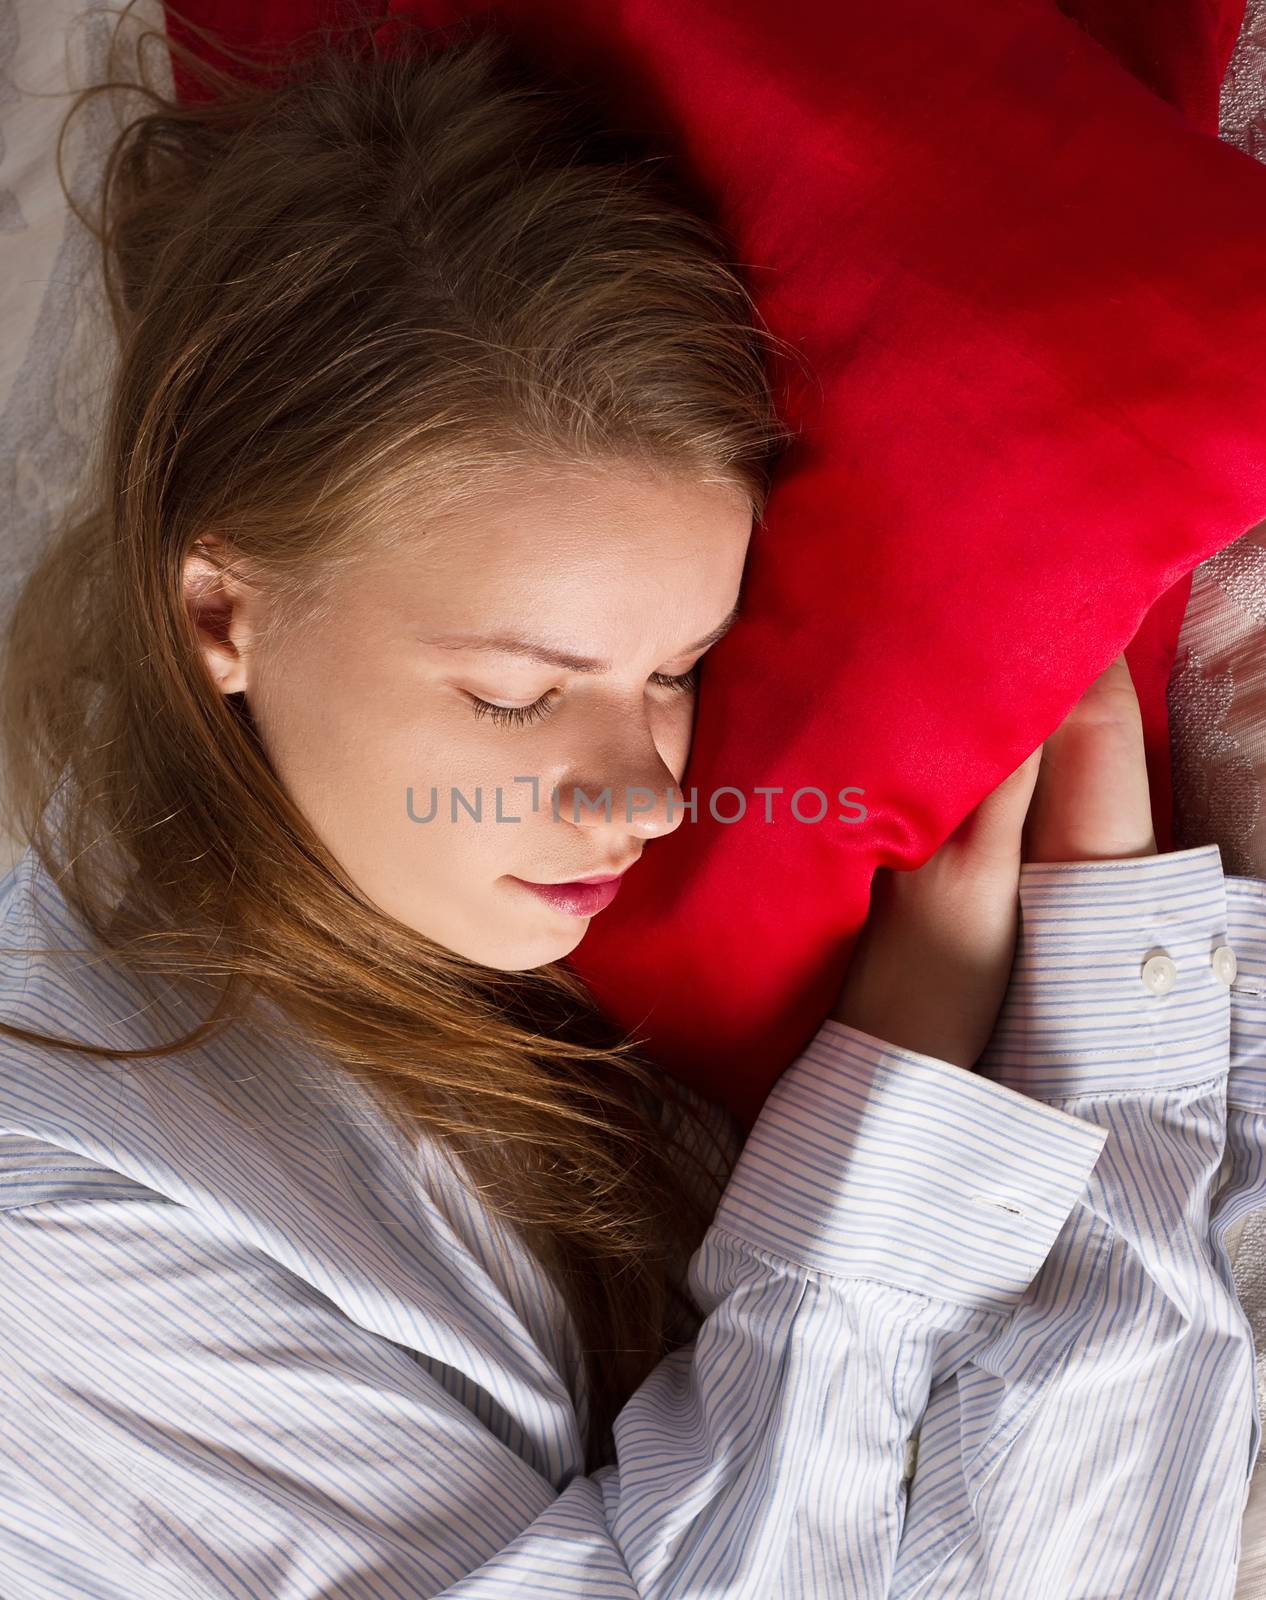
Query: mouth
611, 875
581, 897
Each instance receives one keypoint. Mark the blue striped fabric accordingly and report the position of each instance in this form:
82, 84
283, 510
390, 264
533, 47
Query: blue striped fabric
966, 1335
1126, 1474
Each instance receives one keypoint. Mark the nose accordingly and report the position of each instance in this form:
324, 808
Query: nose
638, 797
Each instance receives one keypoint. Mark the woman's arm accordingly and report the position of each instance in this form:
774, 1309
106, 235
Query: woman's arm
1101, 1446
181, 1414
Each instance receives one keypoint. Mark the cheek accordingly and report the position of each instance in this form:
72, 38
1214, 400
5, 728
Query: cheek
350, 739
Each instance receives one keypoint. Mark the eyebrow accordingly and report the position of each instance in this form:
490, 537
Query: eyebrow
536, 650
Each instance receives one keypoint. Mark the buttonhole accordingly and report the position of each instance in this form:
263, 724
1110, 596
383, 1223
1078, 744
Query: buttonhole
1000, 1204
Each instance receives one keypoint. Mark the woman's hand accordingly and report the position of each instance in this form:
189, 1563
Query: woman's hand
1092, 801
931, 965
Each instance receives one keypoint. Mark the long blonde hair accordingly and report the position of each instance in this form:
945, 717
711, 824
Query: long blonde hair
338, 283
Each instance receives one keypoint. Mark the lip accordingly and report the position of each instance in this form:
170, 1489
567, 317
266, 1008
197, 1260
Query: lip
582, 897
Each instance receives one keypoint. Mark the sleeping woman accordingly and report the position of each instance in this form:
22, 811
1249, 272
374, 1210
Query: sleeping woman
346, 1248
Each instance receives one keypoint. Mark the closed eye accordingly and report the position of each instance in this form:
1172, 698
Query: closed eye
520, 716
683, 682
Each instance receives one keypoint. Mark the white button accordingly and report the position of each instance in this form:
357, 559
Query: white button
1224, 965
912, 1455
1159, 974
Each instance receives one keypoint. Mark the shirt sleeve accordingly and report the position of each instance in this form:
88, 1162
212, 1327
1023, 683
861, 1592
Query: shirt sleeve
181, 1414
1103, 1444
1242, 1178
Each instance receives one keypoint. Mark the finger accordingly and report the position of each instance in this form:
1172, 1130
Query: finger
1092, 799
995, 827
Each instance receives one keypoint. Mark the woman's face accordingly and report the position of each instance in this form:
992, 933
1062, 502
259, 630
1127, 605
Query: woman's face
371, 719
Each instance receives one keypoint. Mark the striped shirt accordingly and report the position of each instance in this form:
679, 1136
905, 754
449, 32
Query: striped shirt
965, 1334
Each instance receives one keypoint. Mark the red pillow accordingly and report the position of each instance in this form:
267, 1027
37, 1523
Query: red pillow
1026, 275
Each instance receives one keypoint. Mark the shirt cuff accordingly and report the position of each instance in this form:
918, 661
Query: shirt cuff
1115, 986
870, 1160
1246, 931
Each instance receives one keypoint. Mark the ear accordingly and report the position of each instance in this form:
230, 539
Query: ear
221, 604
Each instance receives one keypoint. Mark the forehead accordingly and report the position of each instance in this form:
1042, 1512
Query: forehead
575, 554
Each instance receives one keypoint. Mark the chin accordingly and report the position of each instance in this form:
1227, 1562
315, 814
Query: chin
522, 956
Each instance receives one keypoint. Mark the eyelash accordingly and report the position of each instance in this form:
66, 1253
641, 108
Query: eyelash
519, 716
